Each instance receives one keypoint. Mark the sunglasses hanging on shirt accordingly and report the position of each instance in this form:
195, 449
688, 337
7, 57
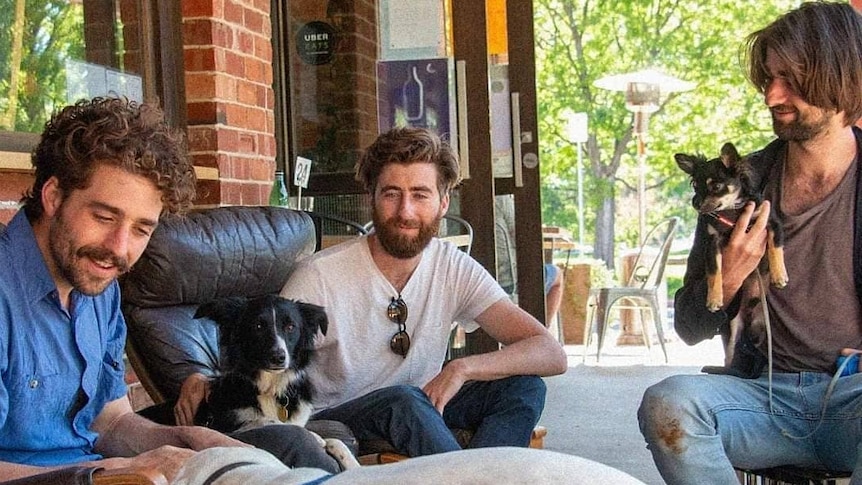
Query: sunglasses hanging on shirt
397, 313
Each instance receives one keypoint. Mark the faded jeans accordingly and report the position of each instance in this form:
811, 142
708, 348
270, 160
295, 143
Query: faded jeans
500, 413
698, 427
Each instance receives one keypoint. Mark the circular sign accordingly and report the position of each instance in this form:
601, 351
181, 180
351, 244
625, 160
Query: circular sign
315, 43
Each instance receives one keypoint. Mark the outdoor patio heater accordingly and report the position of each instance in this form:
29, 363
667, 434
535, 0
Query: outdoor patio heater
643, 90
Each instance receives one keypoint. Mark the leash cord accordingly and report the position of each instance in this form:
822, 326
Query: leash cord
826, 397
829, 389
768, 324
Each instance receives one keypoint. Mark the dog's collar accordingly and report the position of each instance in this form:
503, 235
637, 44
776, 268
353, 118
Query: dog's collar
722, 219
725, 221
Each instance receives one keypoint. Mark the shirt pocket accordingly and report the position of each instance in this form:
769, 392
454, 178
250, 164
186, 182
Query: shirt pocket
41, 389
111, 382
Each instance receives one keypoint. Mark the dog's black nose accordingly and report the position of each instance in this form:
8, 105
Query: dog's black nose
279, 357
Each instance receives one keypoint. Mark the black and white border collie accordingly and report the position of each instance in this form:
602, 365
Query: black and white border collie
265, 344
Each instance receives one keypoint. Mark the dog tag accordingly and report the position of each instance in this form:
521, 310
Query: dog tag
282, 414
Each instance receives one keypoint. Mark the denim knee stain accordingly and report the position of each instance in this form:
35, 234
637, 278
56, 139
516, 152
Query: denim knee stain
668, 427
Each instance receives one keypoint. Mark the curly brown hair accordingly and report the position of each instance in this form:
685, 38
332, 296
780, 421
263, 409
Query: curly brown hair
821, 45
405, 146
117, 132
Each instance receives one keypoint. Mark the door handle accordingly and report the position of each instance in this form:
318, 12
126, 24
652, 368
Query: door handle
463, 133
516, 139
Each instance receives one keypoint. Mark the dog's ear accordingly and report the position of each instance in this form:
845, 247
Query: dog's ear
314, 316
685, 162
729, 155
224, 309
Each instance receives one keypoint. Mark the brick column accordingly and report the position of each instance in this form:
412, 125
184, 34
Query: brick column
228, 64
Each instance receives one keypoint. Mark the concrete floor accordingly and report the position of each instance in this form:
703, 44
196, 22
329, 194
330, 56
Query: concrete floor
590, 411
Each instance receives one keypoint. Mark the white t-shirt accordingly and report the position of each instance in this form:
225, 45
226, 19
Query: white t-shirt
354, 358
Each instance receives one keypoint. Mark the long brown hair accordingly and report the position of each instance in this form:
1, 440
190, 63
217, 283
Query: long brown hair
821, 45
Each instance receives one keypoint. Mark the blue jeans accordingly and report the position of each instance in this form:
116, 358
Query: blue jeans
698, 427
500, 413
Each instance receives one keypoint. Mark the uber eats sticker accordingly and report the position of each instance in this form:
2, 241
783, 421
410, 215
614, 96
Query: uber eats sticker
315, 43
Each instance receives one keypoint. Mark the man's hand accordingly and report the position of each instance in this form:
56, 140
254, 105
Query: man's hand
744, 249
847, 353
195, 389
443, 387
199, 438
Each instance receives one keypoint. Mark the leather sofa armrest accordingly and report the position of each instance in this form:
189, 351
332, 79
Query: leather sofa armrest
89, 475
129, 476
74, 475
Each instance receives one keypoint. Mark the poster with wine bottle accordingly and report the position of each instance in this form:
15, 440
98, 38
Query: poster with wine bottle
419, 93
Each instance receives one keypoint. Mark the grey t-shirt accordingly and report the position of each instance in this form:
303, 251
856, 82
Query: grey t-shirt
818, 312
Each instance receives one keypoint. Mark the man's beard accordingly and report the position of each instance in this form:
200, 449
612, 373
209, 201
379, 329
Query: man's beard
399, 245
67, 257
800, 129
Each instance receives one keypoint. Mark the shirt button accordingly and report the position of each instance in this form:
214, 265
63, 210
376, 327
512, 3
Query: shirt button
34, 383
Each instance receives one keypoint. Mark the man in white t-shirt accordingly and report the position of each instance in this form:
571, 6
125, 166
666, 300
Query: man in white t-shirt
391, 298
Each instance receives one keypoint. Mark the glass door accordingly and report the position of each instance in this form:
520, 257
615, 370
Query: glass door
502, 194
346, 71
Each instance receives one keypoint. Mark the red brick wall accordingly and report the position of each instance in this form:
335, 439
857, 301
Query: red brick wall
228, 63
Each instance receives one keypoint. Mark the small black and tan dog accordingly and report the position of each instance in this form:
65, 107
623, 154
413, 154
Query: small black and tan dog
722, 187
265, 343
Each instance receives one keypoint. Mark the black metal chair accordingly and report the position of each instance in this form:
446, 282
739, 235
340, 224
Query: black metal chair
331, 229
791, 475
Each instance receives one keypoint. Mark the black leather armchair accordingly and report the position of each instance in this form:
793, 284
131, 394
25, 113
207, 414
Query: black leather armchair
209, 254
226, 251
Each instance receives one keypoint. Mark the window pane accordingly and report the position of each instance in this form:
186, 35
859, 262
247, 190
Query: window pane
56, 52
332, 56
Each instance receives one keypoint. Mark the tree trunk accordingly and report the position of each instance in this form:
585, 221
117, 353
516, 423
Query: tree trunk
7, 120
604, 246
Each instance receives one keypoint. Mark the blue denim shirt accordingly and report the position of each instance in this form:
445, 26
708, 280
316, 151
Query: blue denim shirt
57, 368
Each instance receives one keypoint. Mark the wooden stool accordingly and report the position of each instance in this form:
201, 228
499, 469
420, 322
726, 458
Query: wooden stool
537, 440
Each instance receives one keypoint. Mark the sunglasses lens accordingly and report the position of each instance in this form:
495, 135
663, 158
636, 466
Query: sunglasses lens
400, 343
397, 311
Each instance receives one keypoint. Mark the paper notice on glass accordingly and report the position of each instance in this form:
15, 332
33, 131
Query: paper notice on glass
415, 24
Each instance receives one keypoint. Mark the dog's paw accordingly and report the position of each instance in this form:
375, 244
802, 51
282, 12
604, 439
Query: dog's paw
338, 450
322, 442
779, 281
713, 305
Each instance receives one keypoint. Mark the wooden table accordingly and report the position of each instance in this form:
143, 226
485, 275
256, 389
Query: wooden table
557, 238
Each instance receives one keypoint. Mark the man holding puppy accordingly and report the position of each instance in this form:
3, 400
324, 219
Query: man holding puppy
391, 298
808, 65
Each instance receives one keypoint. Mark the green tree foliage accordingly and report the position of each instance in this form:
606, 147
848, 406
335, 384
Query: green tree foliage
581, 41
53, 33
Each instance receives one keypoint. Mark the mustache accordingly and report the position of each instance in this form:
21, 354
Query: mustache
406, 223
782, 108
102, 254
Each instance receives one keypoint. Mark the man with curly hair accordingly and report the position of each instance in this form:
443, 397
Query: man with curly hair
106, 170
